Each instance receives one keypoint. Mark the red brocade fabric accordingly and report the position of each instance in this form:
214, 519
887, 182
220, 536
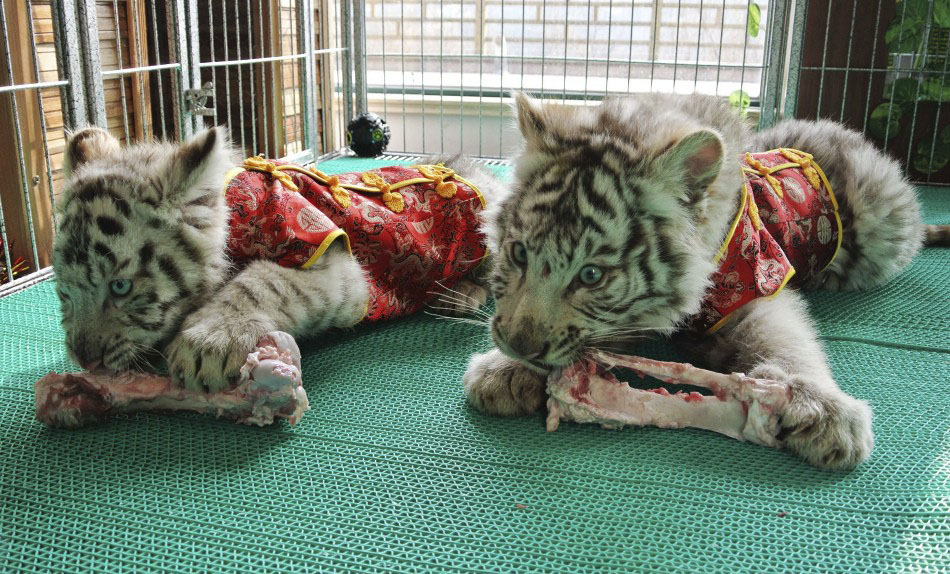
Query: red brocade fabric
787, 231
408, 256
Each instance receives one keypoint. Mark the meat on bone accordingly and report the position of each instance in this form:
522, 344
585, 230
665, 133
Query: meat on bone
741, 407
269, 388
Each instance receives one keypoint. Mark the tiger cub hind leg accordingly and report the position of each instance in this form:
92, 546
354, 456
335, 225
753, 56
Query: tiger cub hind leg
880, 213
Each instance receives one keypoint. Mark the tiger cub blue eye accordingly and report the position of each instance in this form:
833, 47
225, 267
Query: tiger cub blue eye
590, 275
519, 252
120, 287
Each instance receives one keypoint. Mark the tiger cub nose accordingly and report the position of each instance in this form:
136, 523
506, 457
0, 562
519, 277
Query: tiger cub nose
83, 355
528, 345
90, 365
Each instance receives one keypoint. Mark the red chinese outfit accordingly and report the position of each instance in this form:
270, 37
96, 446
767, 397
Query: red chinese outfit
787, 226
413, 229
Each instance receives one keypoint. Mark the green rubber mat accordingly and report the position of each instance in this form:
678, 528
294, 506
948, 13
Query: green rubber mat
391, 471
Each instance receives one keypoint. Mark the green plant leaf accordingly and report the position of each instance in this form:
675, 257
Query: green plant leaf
754, 19
933, 90
932, 153
885, 121
904, 36
903, 90
912, 9
740, 100
941, 14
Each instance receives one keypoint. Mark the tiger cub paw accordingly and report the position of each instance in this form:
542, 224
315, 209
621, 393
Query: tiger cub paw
823, 425
208, 353
499, 385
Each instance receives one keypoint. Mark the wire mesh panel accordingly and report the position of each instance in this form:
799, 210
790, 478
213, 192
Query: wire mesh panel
286, 75
32, 119
68, 64
881, 67
272, 66
138, 70
270, 70
439, 71
261, 67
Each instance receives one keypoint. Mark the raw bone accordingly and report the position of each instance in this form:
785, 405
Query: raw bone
742, 407
269, 388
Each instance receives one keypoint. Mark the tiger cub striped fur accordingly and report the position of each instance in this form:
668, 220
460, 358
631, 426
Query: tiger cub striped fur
611, 230
142, 270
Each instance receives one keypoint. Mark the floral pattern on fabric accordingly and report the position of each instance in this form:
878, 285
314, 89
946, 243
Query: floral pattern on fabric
786, 232
409, 256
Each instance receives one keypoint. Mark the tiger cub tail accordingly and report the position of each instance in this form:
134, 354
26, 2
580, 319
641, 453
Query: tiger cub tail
937, 236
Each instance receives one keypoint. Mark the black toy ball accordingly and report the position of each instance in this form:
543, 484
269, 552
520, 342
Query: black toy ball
367, 135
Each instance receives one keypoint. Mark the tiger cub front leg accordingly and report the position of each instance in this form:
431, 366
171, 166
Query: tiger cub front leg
774, 339
214, 340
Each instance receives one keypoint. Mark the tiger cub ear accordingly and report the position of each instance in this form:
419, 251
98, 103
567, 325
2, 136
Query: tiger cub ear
199, 165
86, 145
530, 118
697, 159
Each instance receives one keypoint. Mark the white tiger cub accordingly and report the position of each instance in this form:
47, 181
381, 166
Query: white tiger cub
615, 219
141, 264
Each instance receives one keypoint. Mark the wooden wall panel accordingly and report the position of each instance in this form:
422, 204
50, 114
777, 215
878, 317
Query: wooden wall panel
137, 118
16, 217
120, 47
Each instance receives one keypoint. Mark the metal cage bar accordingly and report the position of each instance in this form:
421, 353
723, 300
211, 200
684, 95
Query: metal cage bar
892, 88
441, 72
28, 87
463, 58
88, 27
152, 81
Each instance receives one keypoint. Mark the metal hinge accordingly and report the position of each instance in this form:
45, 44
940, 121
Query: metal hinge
196, 100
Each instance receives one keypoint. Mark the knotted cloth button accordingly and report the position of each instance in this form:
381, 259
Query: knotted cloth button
269, 167
373, 179
808, 167
445, 189
766, 173
392, 199
434, 172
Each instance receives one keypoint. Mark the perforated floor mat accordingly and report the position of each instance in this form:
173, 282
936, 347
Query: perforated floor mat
392, 471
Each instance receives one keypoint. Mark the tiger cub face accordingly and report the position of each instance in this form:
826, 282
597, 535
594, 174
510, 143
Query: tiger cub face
608, 230
139, 242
